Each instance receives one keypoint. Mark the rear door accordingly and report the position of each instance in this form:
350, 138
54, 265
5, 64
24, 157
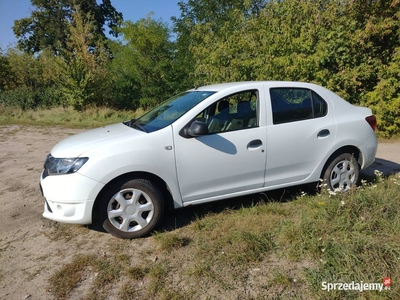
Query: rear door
301, 130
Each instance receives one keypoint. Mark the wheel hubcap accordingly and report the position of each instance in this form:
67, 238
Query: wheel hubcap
130, 210
343, 175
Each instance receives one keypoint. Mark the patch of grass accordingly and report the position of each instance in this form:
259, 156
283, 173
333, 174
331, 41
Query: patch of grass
351, 236
138, 272
66, 116
171, 241
236, 237
294, 246
105, 271
200, 271
158, 272
64, 231
129, 291
281, 279
68, 277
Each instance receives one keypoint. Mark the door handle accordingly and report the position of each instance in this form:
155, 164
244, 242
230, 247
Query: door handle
324, 133
254, 144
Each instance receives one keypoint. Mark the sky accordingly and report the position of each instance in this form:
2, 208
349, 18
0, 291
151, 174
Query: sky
132, 10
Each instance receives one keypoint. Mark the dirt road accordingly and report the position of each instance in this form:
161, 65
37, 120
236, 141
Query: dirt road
31, 247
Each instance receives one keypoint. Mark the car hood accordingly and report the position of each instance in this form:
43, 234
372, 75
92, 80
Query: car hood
77, 145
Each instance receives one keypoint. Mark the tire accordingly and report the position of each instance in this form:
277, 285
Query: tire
131, 209
342, 173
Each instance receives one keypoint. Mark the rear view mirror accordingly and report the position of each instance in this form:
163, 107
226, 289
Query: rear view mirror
198, 128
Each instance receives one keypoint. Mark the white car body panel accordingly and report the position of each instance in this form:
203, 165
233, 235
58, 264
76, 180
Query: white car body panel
289, 159
295, 152
76, 145
210, 167
220, 164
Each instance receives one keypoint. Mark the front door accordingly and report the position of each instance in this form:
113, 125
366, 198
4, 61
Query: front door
231, 158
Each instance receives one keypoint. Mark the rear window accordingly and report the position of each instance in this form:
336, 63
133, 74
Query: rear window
296, 104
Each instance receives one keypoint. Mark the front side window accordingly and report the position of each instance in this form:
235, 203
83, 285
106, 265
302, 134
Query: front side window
169, 111
234, 112
296, 104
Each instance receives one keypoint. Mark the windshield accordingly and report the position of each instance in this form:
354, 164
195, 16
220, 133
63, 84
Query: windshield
169, 111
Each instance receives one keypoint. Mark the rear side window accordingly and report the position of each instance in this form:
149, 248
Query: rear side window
296, 104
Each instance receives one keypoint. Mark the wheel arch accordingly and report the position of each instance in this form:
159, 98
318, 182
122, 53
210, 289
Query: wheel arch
345, 149
157, 181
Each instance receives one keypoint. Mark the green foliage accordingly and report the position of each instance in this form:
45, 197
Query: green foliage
350, 47
49, 24
347, 46
28, 98
29, 81
23, 69
143, 65
84, 78
4, 70
385, 98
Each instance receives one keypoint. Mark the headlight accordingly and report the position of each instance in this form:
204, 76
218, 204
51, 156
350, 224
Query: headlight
59, 166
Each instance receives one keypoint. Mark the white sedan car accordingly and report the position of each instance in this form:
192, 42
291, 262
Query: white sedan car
206, 144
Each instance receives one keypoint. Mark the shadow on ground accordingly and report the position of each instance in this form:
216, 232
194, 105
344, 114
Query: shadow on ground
387, 167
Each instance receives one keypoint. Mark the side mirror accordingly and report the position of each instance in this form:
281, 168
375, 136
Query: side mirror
198, 128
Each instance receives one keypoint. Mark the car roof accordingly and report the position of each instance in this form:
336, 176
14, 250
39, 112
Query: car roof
221, 86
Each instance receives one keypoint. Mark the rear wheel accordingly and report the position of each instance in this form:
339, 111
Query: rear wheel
131, 209
342, 173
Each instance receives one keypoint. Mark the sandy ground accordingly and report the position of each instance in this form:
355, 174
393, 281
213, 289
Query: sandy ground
30, 248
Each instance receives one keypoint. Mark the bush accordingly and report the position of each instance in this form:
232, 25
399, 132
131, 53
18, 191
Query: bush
28, 98
20, 97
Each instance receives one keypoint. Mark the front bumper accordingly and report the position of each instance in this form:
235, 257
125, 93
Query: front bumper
69, 198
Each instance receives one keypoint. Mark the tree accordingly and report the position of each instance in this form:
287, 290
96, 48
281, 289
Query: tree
207, 21
84, 78
48, 25
4, 70
143, 65
350, 46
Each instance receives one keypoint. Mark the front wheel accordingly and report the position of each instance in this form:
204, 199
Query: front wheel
131, 209
342, 173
